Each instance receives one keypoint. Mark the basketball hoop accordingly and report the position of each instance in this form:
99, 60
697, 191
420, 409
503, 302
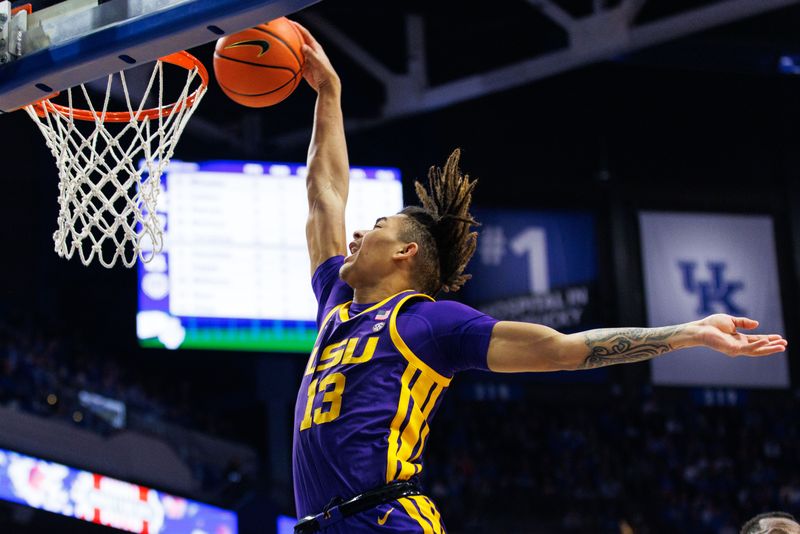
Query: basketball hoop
108, 203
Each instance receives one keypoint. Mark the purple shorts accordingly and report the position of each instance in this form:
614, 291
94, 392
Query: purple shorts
408, 514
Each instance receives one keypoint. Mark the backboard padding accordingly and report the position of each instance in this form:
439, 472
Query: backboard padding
87, 44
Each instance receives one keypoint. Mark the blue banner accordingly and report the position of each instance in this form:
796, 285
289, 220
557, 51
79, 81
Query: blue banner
698, 264
535, 266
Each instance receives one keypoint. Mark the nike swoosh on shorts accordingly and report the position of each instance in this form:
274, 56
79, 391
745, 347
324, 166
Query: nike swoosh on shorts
382, 520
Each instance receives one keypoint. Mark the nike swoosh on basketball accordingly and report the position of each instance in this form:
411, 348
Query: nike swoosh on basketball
382, 520
264, 45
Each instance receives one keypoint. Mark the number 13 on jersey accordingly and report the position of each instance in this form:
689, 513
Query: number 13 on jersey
331, 387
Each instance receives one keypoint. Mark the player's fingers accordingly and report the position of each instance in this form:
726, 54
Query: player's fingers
761, 348
774, 338
310, 54
769, 349
744, 322
752, 338
767, 343
749, 348
307, 37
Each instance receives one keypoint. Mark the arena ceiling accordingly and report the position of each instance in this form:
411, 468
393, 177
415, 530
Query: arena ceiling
402, 59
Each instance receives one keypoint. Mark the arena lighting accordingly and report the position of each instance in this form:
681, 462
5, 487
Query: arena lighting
789, 65
110, 410
286, 524
104, 500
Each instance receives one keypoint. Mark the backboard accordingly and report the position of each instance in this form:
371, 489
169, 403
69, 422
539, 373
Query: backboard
76, 41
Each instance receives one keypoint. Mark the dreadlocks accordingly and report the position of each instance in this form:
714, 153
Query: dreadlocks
441, 227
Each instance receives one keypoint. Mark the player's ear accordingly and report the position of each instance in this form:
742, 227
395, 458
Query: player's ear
407, 251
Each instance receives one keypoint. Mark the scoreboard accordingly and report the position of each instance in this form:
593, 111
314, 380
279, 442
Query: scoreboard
234, 271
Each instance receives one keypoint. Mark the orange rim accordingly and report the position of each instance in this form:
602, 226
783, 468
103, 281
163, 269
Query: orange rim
181, 59
23, 7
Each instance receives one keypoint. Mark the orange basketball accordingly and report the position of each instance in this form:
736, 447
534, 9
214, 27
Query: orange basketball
260, 66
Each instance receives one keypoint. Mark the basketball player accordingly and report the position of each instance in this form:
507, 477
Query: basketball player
386, 351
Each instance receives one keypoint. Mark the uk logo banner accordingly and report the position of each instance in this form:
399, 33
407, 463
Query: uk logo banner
698, 264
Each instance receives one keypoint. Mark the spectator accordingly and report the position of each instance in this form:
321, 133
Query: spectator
772, 523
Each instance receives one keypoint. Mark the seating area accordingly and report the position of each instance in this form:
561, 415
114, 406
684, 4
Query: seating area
62, 376
635, 459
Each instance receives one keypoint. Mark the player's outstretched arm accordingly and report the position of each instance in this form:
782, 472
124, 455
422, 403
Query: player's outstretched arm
328, 167
520, 347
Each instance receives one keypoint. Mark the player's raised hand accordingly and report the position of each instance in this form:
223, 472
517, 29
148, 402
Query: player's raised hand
721, 332
318, 71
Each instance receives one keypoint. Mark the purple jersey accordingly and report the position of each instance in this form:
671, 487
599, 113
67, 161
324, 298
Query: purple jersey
367, 397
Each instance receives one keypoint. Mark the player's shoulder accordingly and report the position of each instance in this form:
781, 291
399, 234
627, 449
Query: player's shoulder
422, 306
326, 273
328, 288
331, 265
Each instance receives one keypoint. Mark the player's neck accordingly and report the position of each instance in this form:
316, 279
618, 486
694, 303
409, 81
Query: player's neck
378, 292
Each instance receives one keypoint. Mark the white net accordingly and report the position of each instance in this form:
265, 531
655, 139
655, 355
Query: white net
110, 172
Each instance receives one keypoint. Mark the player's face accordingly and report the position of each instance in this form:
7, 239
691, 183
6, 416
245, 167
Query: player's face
371, 252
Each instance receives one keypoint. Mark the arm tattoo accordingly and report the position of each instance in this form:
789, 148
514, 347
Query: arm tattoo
609, 346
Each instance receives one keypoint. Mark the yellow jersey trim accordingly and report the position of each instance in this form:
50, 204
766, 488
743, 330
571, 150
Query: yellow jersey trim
419, 400
415, 404
411, 510
312, 359
406, 352
429, 511
344, 311
326, 319
394, 428
424, 389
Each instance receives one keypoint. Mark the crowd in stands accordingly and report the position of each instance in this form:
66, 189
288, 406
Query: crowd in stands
636, 461
44, 370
